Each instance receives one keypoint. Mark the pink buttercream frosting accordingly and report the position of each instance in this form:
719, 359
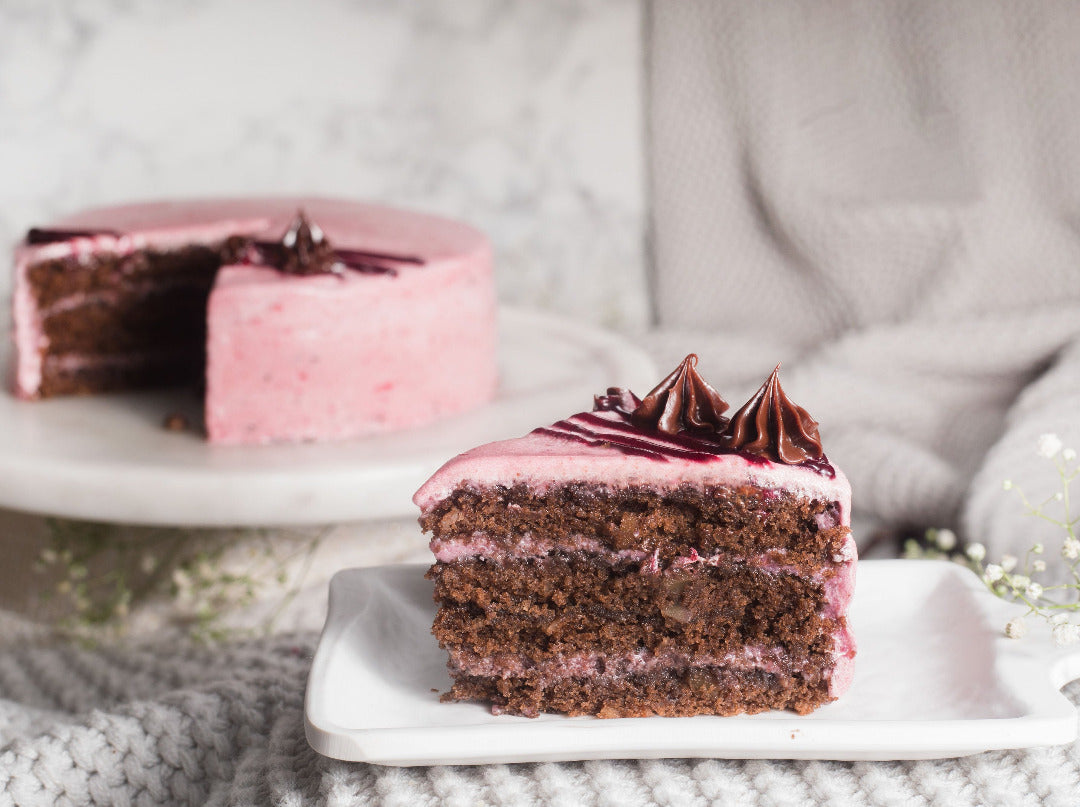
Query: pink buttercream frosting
542, 460
295, 357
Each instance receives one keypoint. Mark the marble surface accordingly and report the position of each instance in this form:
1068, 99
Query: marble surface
523, 118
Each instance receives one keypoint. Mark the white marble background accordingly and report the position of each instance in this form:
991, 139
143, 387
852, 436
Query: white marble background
522, 117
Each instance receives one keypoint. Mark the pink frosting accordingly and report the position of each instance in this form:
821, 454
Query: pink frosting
543, 460
311, 357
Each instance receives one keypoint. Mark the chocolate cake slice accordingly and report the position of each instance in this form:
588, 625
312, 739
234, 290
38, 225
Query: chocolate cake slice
651, 557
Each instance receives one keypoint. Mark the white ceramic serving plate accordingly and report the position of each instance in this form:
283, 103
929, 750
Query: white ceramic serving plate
108, 458
935, 678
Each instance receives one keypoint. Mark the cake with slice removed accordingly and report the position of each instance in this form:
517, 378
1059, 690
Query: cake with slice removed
651, 557
303, 318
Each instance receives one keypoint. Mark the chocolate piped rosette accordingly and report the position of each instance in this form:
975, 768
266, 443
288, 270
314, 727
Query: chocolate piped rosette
650, 557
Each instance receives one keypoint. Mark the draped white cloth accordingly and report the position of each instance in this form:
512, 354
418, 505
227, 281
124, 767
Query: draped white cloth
885, 197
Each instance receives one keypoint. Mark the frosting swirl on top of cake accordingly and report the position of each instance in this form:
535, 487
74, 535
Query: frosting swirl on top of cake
682, 402
683, 418
774, 427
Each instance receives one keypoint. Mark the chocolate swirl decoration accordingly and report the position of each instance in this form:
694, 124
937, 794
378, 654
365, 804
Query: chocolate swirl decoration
770, 425
618, 400
305, 250
682, 402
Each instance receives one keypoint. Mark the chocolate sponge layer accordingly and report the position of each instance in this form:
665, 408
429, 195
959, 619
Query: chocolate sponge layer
589, 600
123, 321
745, 520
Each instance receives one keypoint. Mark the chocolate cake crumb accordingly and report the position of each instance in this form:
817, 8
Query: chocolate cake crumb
176, 422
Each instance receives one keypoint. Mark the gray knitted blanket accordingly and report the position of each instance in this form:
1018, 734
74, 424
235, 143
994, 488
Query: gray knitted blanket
150, 725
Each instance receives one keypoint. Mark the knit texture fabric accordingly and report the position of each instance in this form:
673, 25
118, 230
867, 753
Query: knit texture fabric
154, 724
884, 196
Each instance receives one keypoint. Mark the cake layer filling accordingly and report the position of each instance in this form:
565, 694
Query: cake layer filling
120, 320
641, 519
774, 660
562, 605
670, 693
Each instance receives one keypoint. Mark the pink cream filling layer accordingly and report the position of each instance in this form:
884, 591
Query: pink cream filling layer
769, 659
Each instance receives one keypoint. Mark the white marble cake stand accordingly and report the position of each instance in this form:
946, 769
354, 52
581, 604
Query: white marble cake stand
108, 458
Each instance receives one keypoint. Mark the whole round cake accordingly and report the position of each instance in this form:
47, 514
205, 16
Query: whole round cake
306, 319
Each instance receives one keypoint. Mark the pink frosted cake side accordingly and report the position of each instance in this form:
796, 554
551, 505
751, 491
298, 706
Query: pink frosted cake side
394, 329
647, 558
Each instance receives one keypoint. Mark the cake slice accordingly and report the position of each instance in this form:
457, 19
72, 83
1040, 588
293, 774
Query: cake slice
651, 557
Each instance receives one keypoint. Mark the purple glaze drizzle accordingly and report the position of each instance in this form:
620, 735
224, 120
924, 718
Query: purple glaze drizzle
596, 431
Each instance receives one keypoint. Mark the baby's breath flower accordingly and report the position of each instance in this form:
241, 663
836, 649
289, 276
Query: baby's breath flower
1015, 628
148, 563
1007, 484
1070, 549
1008, 562
1059, 619
182, 580
1034, 591
912, 550
1068, 454
993, 573
1059, 496
946, 539
1019, 581
1039, 566
1065, 633
1038, 549
49, 556
1049, 446
976, 552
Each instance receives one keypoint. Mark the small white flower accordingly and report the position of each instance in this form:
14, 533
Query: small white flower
1070, 549
1020, 581
1034, 591
946, 539
1049, 446
1006, 485
182, 580
976, 552
1068, 454
1039, 565
49, 556
1008, 562
993, 573
1059, 496
1065, 633
1038, 549
1015, 628
1059, 619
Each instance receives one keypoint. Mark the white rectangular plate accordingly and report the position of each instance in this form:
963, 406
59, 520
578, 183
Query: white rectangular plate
934, 678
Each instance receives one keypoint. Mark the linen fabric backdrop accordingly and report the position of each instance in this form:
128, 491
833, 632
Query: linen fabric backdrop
885, 197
